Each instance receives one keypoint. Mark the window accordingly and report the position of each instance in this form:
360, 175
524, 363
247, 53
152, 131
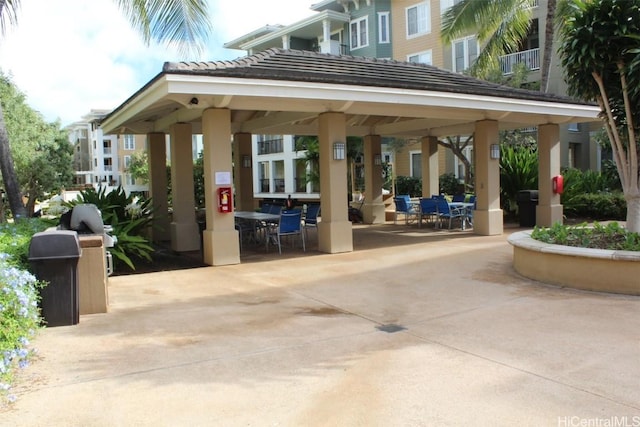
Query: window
573, 127
129, 142
383, 27
128, 179
416, 164
127, 161
421, 57
418, 20
359, 32
465, 52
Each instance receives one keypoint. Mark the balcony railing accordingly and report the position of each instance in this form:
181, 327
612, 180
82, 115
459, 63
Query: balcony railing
531, 58
270, 146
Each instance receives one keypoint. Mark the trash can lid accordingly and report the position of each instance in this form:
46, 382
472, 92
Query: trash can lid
58, 244
527, 195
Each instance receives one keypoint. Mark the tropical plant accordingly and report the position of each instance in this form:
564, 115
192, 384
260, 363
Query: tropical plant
139, 166
184, 24
518, 171
449, 184
600, 52
409, 185
500, 26
130, 217
610, 236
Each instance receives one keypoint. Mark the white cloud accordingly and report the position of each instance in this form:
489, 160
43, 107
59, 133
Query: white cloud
70, 56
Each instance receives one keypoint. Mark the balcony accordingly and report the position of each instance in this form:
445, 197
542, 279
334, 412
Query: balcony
270, 146
529, 57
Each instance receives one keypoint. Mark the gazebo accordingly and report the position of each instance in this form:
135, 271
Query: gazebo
308, 93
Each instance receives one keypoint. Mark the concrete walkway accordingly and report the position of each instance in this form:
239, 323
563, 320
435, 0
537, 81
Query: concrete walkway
414, 328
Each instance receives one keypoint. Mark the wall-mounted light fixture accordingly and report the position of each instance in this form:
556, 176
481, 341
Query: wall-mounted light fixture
246, 161
338, 150
494, 151
377, 159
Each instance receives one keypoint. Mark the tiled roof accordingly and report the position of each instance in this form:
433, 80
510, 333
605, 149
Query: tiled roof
306, 66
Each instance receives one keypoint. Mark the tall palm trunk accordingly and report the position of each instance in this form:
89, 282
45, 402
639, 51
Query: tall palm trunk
548, 46
8, 173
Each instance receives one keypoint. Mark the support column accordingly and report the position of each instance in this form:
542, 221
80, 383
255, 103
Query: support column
334, 230
430, 169
157, 155
243, 177
487, 218
185, 235
549, 209
373, 208
220, 240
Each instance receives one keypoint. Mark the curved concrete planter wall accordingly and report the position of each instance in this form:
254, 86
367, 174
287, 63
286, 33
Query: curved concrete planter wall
581, 268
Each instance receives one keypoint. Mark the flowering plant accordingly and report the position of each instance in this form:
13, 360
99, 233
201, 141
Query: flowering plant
19, 320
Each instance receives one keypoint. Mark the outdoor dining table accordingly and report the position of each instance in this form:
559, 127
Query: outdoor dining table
465, 207
259, 220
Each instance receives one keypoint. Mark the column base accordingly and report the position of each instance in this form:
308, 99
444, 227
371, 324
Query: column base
488, 223
221, 247
185, 237
548, 215
373, 213
335, 237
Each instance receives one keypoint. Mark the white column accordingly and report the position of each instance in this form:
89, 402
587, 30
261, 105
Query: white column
487, 219
549, 209
185, 235
220, 239
157, 154
285, 42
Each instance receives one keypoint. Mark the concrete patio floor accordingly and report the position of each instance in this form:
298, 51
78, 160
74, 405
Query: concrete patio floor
413, 328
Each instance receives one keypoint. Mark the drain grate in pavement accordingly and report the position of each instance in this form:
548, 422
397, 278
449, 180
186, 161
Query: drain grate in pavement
390, 328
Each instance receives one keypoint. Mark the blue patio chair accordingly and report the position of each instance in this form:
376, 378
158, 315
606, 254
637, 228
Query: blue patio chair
311, 217
404, 207
290, 225
265, 208
458, 198
428, 209
445, 212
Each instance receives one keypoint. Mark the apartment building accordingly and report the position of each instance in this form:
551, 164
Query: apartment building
101, 160
402, 30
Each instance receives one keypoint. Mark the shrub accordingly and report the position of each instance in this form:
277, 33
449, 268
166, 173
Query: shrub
449, 184
597, 206
610, 236
518, 171
19, 319
409, 185
15, 239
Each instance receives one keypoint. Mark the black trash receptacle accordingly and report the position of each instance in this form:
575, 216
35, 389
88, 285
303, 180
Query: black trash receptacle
54, 256
527, 202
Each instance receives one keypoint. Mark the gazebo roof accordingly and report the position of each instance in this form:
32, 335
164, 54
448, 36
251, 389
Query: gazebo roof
283, 91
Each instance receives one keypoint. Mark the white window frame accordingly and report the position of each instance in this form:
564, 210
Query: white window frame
413, 172
129, 142
422, 26
467, 61
420, 56
384, 35
127, 161
359, 43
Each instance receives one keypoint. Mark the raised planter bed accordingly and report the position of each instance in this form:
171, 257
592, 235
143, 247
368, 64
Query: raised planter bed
598, 270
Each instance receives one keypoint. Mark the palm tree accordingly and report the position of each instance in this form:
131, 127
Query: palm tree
500, 25
183, 24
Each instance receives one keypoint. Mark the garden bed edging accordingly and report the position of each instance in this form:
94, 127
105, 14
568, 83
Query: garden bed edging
599, 270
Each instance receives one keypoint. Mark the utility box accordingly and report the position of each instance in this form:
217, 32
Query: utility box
527, 204
92, 275
54, 259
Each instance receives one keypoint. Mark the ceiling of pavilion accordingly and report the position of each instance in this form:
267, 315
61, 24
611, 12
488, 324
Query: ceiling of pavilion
283, 92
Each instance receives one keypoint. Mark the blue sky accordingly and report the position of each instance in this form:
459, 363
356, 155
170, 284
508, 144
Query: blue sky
69, 56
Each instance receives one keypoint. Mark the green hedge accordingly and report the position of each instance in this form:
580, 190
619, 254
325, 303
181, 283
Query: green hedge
600, 206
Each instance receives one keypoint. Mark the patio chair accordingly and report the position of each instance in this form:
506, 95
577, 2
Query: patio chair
445, 212
428, 209
290, 225
404, 207
458, 198
311, 217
